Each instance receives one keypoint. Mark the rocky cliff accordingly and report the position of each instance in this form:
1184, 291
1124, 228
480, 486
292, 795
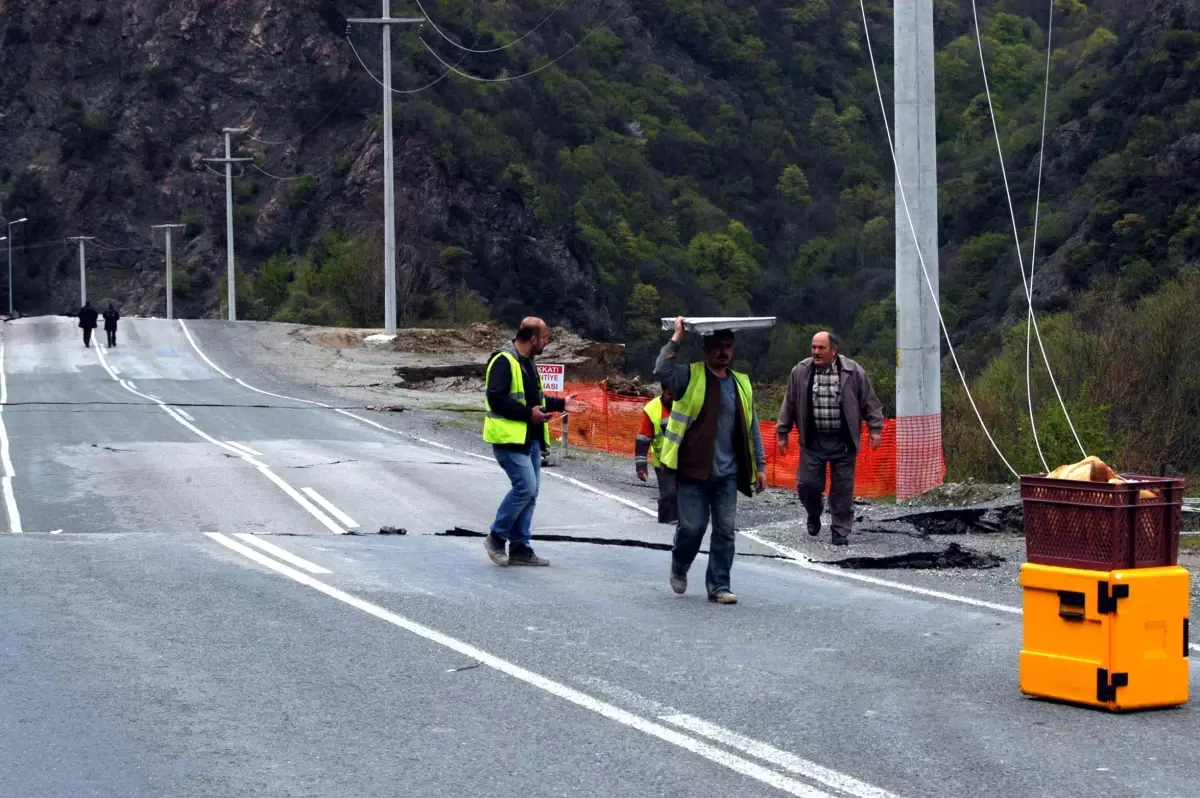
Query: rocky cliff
107, 112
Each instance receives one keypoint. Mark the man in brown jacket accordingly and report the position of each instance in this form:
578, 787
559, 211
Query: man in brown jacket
827, 400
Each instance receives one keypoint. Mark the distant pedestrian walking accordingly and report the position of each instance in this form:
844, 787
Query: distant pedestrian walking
87, 322
110, 324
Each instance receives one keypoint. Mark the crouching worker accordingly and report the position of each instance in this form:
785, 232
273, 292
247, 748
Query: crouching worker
648, 453
515, 424
714, 446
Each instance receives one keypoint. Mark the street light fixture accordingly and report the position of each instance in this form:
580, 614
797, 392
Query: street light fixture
10, 280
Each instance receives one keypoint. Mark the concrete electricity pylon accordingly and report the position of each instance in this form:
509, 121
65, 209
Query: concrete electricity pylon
389, 181
918, 335
229, 161
170, 290
82, 266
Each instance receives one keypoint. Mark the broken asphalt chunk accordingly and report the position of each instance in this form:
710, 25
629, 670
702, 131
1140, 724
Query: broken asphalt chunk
392, 530
955, 556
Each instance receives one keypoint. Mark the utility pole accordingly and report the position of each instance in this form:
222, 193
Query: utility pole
918, 335
229, 161
170, 289
82, 267
389, 181
8, 238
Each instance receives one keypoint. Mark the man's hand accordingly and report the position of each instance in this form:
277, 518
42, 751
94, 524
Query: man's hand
876, 440
761, 485
641, 474
782, 446
679, 330
574, 405
539, 416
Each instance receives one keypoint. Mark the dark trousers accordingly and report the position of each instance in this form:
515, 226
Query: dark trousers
87, 337
697, 501
112, 337
832, 450
668, 513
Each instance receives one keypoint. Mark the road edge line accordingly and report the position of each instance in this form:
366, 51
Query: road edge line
610, 711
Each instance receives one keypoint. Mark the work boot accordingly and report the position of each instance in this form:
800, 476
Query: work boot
814, 526
840, 540
494, 544
524, 556
723, 597
678, 582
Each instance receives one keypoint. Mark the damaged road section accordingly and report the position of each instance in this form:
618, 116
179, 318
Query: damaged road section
955, 556
460, 532
964, 520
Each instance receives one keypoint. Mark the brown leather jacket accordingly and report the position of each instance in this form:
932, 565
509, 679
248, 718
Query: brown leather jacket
859, 402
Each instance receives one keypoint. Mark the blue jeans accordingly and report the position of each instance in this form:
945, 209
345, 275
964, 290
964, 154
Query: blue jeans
696, 502
515, 516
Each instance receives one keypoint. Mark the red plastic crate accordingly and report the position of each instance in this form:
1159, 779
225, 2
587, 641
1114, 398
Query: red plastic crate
1097, 526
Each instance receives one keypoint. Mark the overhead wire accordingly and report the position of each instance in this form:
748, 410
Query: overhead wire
1037, 207
472, 49
547, 65
1016, 235
306, 133
917, 244
394, 90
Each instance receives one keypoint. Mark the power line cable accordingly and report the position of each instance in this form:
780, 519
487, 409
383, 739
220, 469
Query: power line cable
472, 49
509, 78
429, 85
258, 168
917, 244
1027, 282
322, 121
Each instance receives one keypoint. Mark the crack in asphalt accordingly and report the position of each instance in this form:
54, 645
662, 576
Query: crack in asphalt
955, 556
314, 465
460, 532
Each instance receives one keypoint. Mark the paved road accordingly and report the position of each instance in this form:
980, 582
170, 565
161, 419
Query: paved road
181, 617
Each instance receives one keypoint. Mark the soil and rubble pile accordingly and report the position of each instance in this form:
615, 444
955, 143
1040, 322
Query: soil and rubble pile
432, 357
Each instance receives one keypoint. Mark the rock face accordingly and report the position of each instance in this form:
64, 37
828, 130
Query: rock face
107, 112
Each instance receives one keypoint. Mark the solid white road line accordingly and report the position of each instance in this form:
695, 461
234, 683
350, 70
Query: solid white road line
802, 560
215, 367
244, 448
283, 554
295, 495
330, 508
712, 753
780, 759
10, 498
184, 413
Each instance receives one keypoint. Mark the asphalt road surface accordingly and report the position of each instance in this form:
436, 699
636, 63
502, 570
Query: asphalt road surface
182, 614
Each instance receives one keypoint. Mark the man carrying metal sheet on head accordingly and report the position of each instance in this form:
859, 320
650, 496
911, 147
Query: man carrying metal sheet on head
714, 446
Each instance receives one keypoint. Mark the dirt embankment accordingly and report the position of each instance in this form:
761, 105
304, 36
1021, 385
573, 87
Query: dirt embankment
455, 359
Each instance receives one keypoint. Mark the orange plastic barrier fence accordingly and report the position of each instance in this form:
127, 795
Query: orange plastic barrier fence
611, 423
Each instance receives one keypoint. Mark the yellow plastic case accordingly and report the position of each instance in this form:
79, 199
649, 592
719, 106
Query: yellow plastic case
1116, 639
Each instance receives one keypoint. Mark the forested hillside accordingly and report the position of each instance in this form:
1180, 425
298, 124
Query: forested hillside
699, 156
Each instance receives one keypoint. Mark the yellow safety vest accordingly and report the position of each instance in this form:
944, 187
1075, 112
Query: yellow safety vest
686, 408
653, 411
497, 428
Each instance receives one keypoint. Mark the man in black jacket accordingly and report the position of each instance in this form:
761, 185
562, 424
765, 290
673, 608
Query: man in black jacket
87, 322
515, 425
110, 324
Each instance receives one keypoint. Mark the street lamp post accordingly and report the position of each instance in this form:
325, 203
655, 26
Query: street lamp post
10, 279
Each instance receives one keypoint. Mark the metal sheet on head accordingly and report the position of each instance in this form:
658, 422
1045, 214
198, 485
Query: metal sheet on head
707, 325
